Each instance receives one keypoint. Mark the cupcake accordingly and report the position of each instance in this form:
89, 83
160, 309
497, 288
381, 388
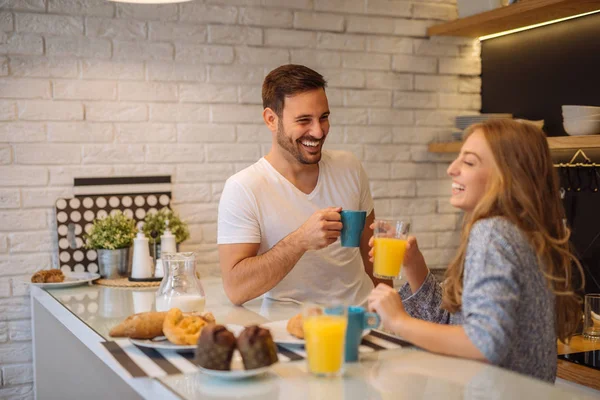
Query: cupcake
215, 348
257, 348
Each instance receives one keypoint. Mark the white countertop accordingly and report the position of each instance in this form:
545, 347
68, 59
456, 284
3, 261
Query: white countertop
402, 373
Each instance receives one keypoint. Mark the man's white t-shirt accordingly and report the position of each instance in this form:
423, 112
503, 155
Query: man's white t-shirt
259, 205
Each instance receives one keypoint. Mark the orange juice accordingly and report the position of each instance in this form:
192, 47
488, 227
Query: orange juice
389, 254
324, 341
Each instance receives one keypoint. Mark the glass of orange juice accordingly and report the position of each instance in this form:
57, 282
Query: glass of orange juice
324, 338
389, 246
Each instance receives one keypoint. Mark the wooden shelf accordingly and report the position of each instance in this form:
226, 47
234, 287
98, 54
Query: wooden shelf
574, 142
557, 142
518, 15
578, 344
445, 147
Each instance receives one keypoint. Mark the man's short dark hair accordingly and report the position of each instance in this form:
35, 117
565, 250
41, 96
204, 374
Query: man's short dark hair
289, 80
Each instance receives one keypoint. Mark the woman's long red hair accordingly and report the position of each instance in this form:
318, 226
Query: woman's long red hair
525, 191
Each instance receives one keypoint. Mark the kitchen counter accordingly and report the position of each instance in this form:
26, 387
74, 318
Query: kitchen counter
70, 324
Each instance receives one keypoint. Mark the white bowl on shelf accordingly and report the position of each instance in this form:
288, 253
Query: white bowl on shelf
579, 111
589, 117
582, 127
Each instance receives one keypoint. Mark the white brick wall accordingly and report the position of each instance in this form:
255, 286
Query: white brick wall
96, 88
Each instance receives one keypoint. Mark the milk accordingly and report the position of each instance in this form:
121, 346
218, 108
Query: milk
186, 303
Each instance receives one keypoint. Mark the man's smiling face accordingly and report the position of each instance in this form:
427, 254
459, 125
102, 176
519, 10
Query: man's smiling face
304, 125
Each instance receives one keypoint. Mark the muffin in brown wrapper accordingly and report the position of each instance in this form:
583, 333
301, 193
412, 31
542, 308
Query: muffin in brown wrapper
215, 348
257, 348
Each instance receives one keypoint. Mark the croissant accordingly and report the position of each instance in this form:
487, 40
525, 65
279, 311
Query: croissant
145, 325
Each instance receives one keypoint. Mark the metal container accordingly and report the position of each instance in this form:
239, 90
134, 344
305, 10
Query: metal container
114, 264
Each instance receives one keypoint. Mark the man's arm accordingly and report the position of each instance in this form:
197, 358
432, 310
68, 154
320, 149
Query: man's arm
247, 275
365, 248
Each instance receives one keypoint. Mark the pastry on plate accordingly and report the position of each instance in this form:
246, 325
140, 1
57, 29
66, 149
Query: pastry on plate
147, 325
215, 348
184, 329
294, 326
257, 348
48, 276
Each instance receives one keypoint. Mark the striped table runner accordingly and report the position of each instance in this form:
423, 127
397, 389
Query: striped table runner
143, 362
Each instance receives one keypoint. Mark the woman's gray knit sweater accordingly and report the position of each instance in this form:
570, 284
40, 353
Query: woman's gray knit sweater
507, 309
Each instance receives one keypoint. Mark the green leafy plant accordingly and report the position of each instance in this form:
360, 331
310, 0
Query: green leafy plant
114, 232
156, 222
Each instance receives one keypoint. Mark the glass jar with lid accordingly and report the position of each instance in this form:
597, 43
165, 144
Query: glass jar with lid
180, 288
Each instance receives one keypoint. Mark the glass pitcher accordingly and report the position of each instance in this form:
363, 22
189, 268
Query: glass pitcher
180, 287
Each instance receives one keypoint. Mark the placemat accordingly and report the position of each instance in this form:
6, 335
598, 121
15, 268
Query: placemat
143, 362
124, 282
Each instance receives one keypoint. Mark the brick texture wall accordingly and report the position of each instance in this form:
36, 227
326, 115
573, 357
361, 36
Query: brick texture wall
94, 88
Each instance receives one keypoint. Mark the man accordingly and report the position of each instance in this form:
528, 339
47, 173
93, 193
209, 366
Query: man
279, 220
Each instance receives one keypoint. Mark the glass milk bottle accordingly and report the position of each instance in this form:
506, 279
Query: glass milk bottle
180, 287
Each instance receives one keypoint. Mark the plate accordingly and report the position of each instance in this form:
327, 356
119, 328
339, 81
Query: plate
71, 279
282, 336
234, 374
237, 366
161, 343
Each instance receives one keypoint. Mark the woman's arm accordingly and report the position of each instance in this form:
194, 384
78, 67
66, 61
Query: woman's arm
426, 302
450, 340
414, 267
490, 300
439, 338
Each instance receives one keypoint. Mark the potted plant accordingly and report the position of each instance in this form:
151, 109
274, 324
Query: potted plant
155, 225
112, 238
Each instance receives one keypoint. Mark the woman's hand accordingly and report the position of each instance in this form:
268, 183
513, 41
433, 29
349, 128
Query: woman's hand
386, 302
412, 256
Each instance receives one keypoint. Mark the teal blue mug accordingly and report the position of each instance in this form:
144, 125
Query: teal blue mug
358, 320
353, 223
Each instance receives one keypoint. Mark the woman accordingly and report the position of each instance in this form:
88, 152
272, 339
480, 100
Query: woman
508, 293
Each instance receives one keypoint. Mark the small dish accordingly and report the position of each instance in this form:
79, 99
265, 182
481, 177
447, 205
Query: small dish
234, 374
159, 343
71, 279
162, 343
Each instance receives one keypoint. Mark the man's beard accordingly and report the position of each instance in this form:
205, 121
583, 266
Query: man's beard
293, 148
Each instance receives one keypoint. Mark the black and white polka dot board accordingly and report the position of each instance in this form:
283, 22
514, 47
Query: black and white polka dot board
75, 216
